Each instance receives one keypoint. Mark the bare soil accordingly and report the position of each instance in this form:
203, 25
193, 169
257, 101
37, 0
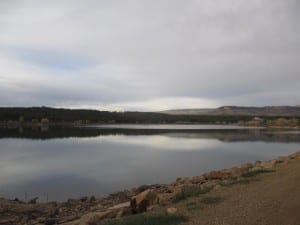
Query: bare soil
273, 199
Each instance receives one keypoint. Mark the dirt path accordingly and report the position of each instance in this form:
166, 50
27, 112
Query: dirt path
272, 200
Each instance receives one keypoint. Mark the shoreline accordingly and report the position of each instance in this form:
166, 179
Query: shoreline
76, 124
127, 202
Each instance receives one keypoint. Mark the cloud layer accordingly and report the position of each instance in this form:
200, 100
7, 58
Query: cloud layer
145, 55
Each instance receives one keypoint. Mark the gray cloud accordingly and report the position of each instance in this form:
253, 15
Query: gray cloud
149, 55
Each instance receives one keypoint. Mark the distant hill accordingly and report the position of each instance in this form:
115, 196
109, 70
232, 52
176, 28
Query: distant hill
241, 111
81, 116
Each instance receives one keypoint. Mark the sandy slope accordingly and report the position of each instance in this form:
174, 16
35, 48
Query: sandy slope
272, 200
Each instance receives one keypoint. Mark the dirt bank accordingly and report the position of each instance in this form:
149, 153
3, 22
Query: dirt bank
270, 199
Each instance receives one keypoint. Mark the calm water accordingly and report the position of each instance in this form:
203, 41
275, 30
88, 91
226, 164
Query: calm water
71, 162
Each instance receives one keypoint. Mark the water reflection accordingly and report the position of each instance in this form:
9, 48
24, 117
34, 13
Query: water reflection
221, 133
69, 162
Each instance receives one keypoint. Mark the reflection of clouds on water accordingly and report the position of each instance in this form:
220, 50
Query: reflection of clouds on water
164, 142
59, 186
109, 163
285, 132
225, 134
172, 127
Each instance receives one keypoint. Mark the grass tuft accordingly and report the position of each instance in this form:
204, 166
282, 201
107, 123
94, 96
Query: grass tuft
257, 172
192, 193
204, 201
144, 219
237, 181
193, 206
211, 200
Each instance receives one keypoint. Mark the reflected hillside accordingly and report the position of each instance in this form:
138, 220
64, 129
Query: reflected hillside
227, 135
242, 135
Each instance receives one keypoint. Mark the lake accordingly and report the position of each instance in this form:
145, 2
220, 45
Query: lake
62, 163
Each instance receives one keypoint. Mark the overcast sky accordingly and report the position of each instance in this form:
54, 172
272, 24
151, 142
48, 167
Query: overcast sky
149, 55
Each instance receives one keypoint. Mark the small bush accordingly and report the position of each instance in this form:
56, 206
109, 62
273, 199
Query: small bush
144, 219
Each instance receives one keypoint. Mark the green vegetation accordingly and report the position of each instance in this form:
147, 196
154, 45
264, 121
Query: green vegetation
144, 219
179, 197
21, 119
204, 201
211, 200
94, 116
236, 181
195, 192
246, 178
257, 172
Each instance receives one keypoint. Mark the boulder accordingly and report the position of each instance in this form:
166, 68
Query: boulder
234, 172
280, 160
295, 155
124, 212
166, 189
209, 184
189, 188
145, 187
268, 164
120, 206
121, 196
121, 209
182, 180
245, 167
165, 197
198, 180
255, 168
140, 202
93, 218
215, 175
171, 211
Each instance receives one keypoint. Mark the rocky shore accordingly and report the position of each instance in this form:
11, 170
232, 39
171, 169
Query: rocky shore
91, 210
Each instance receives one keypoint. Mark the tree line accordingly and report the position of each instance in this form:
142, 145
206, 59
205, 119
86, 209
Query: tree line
94, 116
